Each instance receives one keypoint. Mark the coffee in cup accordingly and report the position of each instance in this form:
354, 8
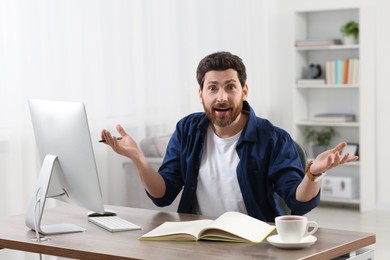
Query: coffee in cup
292, 229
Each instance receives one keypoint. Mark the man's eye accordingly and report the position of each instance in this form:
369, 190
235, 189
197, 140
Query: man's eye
231, 87
212, 88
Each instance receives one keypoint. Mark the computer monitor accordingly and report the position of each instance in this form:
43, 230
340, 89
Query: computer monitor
69, 171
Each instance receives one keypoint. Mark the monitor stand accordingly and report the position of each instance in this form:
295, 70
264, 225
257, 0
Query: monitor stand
37, 204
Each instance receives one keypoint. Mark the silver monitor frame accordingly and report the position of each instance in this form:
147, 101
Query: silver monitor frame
69, 171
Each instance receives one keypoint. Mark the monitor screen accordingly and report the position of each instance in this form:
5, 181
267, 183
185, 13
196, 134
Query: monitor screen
69, 171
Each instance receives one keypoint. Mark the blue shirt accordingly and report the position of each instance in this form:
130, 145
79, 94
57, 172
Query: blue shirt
269, 166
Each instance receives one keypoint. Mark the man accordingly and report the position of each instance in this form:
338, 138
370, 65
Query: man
227, 158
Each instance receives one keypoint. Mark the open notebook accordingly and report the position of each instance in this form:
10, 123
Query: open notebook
230, 226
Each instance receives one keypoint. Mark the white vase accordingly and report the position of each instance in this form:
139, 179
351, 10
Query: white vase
349, 40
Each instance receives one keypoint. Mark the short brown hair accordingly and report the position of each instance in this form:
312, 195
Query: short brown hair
221, 61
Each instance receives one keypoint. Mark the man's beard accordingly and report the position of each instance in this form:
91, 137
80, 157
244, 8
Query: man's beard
226, 120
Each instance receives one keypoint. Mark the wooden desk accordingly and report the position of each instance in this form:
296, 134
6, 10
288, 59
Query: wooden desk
97, 243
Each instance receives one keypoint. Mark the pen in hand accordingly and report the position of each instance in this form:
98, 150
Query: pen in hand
103, 141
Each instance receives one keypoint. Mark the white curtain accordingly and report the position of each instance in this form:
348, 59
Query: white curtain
130, 61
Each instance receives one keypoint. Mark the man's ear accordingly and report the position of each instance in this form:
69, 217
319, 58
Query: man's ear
200, 95
245, 91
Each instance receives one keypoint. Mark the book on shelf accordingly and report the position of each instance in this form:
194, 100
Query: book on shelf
317, 42
334, 117
230, 227
342, 71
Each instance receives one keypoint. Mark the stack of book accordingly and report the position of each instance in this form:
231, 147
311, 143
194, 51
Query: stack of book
334, 117
317, 42
342, 71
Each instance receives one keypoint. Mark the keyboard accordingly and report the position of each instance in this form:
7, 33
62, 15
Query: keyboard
113, 223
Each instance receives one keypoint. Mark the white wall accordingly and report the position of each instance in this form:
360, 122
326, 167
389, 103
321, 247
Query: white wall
382, 103
131, 62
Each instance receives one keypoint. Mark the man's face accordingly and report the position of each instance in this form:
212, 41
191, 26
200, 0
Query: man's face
222, 96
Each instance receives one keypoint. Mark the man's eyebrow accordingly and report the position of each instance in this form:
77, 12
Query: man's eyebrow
225, 82
230, 80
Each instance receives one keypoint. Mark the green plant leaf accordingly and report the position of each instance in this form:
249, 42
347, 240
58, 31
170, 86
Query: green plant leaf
321, 137
350, 29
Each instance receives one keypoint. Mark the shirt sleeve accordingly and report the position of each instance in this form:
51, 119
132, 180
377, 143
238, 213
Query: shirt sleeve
170, 170
287, 173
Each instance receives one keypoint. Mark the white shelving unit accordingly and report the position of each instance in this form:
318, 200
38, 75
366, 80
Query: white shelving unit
309, 100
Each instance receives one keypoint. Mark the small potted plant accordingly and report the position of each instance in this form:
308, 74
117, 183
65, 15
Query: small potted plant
320, 139
350, 32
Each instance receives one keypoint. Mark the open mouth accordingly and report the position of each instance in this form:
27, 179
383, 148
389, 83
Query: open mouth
221, 111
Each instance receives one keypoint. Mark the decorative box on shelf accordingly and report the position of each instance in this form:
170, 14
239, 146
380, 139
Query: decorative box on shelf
339, 187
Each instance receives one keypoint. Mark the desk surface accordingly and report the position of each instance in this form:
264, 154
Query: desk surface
97, 243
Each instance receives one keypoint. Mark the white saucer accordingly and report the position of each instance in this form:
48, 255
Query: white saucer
305, 242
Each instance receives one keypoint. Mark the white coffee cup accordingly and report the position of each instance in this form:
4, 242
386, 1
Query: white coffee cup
293, 228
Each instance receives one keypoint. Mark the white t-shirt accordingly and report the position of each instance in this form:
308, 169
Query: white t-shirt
218, 190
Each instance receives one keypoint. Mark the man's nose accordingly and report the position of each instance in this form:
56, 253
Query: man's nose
222, 97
